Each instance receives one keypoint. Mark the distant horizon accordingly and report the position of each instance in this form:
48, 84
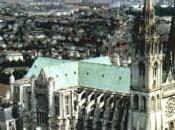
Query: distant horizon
16, 1
10, 1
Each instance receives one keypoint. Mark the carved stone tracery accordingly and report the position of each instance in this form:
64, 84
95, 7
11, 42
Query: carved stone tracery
170, 107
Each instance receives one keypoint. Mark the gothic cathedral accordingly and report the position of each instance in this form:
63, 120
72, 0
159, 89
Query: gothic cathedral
93, 95
152, 102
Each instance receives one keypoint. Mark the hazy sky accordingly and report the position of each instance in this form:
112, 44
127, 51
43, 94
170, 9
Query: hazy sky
10, 1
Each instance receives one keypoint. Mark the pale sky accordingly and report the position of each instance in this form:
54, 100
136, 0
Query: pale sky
10, 1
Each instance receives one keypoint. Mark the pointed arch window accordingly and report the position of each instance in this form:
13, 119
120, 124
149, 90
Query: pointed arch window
171, 125
143, 103
57, 106
136, 102
155, 69
67, 104
42, 109
154, 84
141, 67
158, 101
153, 103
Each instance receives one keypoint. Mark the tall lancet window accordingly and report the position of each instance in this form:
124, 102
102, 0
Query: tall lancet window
155, 69
141, 67
153, 103
67, 104
57, 105
42, 109
143, 103
172, 126
29, 100
136, 102
158, 101
154, 84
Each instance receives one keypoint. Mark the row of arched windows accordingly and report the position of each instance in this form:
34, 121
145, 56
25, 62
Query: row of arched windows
155, 102
143, 104
141, 67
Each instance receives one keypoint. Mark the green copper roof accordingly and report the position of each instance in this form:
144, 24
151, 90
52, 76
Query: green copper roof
66, 75
93, 73
42, 62
106, 77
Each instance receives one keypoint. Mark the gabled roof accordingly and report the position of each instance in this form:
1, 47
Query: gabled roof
42, 62
97, 73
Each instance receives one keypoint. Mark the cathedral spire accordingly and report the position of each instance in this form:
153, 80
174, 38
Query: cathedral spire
148, 10
172, 29
171, 44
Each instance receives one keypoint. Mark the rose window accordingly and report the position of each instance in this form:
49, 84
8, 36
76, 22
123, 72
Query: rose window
170, 107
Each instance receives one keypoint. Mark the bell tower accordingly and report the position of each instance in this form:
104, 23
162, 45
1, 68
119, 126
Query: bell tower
170, 53
146, 72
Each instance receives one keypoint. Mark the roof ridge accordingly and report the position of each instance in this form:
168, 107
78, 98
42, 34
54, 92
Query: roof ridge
48, 66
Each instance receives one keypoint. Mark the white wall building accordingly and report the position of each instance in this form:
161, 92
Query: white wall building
10, 56
41, 2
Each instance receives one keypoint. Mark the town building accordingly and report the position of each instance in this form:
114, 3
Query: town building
11, 56
41, 2
72, 1
98, 1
